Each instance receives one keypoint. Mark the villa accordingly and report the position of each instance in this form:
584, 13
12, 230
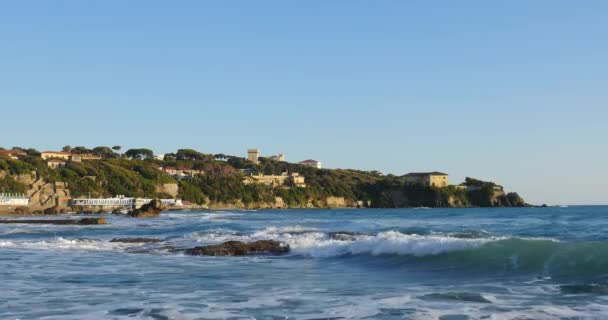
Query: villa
434, 179
312, 163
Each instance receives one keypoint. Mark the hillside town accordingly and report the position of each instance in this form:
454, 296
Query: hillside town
187, 169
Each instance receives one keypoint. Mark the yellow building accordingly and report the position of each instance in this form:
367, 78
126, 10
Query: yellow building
45, 155
434, 179
294, 179
55, 163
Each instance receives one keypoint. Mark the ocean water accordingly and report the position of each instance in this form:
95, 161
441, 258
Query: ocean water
449, 264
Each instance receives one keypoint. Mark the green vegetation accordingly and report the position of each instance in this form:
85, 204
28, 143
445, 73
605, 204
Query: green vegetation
137, 174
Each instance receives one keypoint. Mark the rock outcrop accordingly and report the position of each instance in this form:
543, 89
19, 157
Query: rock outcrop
136, 240
84, 221
55, 210
238, 248
149, 210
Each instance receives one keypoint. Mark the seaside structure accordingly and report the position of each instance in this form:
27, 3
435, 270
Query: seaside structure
294, 179
429, 179
312, 163
11, 154
253, 155
14, 199
121, 202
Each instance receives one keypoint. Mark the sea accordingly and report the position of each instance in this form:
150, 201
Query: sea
447, 264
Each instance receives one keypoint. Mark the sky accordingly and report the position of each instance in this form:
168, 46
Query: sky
509, 91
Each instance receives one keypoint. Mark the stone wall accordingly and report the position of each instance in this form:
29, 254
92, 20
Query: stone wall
168, 188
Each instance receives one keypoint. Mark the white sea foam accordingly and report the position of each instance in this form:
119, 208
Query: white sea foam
67, 244
319, 244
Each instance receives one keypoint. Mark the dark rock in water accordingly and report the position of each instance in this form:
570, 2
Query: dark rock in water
85, 221
120, 211
21, 210
238, 248
136, 240
343, 235
594, 288
458, 296
149, 210
55, 210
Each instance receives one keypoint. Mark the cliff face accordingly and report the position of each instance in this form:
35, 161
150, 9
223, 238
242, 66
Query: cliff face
449, 197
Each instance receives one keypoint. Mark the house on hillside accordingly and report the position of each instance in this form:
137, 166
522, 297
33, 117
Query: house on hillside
11, 154
429, 179
55, 163
45, 155
312, 163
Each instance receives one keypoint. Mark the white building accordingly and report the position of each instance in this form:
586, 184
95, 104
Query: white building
312, 163
14, 199
122, 201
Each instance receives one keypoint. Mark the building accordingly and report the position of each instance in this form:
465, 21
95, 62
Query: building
14, 199
294, 179
279, 157
87, 156
11, 154
55, 163
45, 155
311, 163
253, 155
434, 179
181, 172
297, 180
121, 201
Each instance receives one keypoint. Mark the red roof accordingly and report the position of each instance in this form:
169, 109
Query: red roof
57, 152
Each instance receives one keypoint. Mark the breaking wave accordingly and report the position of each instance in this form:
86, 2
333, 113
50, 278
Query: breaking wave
477, 251
66, 244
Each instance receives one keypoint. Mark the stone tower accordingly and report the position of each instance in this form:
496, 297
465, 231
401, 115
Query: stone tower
253, 155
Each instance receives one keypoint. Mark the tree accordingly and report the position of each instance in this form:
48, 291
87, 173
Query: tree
81, 150
140, 154
116, 148
104, 152
66, 149
32, 152
189, 154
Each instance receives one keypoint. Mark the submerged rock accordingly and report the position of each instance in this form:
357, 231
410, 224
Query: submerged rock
344, 235
136, 240
238, 248
458, 296
149, 210
593, 288
84, 221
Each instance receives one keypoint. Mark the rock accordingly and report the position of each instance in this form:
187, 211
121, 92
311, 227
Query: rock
85, 221
136, 240
149, 210
238, 248
55, 210
343, 235
21, 210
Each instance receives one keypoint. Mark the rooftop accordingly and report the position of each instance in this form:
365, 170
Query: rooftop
419, 174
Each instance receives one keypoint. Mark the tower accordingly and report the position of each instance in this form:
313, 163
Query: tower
252, 155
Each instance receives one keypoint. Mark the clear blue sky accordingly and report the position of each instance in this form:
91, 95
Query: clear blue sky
511, 91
